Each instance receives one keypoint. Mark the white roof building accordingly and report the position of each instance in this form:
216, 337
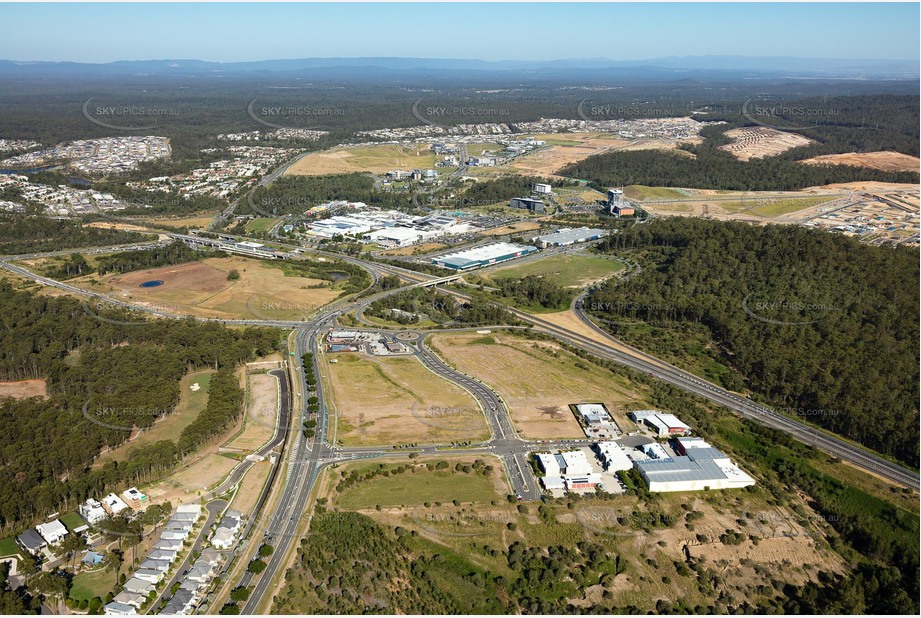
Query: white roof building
553, 482
52, 532
130, 598
139, 586
655, 451
92, 511
666, 424
150, 575
549, 464
223, 538
577, 463
189, 508
614, 457
113, 504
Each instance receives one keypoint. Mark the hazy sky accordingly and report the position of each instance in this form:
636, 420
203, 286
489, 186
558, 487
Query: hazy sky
234, 32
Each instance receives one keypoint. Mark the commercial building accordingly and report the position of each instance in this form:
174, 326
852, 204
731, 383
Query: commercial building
400, 236
569, 236
616, 204
701, 469
666, 425
614, 457
549, 464
91, 511
482, 256
583, 481
53, 531
543, 188
594, 413
623, 211
655, 451
528, 203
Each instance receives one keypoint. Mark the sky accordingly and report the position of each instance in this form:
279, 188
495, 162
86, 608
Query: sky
225, 32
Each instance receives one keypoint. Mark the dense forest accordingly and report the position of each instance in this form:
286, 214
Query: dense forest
504, 188
176, 252
836, 124
295, 194
102, 379
717, 169
859, 124
40, 234
819, 324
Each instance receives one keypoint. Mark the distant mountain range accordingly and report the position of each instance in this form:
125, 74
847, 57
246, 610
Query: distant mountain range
672, 67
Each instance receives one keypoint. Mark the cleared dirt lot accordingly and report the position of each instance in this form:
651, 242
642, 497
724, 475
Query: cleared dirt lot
375, 159
261, 411
886, 161
756, 142
396, 400
537, 380
561, 150
202, 289
192, 481
24, 389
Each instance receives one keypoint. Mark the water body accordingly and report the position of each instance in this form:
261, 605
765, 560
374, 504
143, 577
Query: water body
152, 283
338, 276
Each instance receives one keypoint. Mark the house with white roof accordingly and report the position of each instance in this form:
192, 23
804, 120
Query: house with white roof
53, 531
92, 511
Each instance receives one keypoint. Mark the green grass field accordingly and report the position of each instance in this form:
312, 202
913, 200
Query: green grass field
416, 488
95, 584
8, 547
191, 403
475, 150
72, 520
260, 225
570, 270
